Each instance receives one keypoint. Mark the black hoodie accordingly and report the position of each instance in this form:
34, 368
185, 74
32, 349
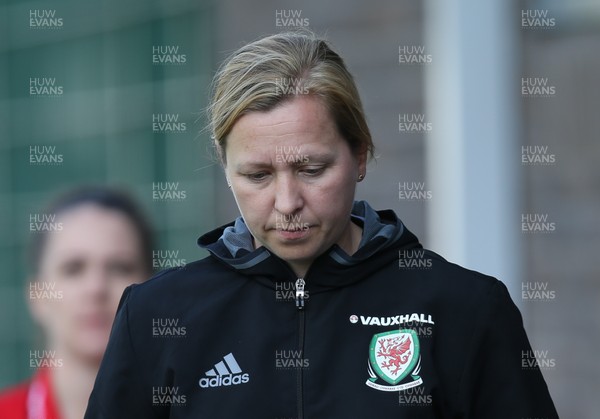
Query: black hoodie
393, 331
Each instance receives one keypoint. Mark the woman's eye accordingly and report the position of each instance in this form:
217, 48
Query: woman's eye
122, 268
257, 177
73, 268
313, 171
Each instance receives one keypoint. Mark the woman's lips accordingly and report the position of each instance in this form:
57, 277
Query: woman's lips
292, 235
96, 321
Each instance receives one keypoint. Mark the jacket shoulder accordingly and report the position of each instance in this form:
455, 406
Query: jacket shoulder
176, 289
458, 275
195, 274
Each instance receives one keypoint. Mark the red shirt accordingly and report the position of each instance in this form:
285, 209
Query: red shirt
31, 400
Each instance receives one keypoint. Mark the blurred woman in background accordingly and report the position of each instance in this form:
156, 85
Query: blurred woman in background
101, 245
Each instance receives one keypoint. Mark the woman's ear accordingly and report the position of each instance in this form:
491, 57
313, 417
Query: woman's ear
362, 158
220, 150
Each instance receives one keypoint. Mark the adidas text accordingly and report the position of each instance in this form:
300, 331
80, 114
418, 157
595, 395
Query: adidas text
227, 380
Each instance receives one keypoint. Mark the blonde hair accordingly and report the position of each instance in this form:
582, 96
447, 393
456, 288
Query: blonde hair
250, 80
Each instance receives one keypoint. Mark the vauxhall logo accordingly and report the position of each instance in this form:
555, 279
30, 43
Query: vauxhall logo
392, 320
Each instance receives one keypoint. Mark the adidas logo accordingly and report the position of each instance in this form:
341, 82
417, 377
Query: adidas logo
225, 373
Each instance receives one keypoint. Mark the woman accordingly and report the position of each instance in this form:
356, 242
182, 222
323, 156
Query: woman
307, 305
100, 245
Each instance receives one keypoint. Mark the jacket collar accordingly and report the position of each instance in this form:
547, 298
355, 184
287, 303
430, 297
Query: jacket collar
383, 235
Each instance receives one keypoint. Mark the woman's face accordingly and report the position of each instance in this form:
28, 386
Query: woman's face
293, 177
88, 264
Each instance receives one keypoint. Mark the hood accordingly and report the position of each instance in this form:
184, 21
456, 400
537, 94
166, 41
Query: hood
383, 235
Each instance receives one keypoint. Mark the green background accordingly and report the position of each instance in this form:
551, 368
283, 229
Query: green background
102, 126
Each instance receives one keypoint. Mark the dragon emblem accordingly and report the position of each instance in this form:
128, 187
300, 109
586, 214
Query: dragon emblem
395, 351
393, 355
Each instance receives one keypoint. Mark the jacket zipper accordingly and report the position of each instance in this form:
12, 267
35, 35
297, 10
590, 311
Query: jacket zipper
300, 293
299, 377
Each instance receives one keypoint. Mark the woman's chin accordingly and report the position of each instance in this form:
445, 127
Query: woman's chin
91, 347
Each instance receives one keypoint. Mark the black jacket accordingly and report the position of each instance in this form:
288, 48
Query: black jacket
393, 331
